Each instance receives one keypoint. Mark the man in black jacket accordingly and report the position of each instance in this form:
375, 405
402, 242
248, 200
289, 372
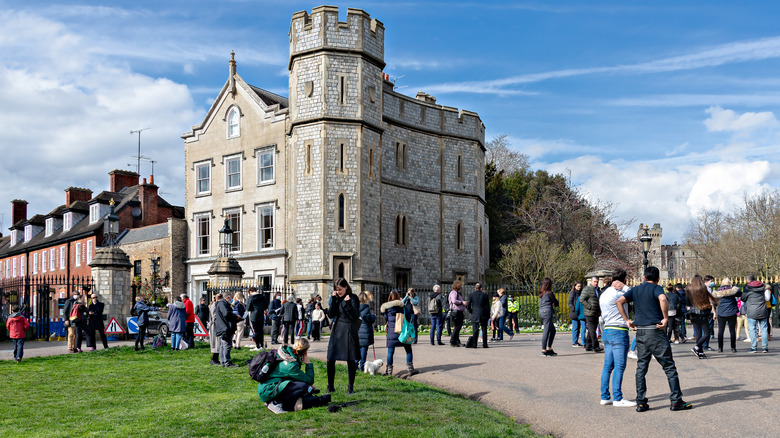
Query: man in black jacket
72, 330
225, 327
479, 307
289, 317
258, 303
276, 320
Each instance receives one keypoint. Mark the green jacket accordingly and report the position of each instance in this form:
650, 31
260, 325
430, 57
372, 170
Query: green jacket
590, 301
289, 369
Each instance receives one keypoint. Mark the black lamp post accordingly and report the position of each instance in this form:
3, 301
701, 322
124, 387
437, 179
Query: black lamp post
110, 227
154, 257
645, 239
225, 240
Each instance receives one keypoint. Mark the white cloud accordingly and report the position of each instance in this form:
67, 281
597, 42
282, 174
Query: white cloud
727, 120
66, 113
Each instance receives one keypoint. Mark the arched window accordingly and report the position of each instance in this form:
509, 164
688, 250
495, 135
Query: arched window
341, 211
341, 270
234, 127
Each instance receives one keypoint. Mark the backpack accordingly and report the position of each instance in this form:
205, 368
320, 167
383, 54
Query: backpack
434, 306
75, 312
261, 365
158, 341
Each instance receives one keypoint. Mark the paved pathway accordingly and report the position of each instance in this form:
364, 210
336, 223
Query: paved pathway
732, 394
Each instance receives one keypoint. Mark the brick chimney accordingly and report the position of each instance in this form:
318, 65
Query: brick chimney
18, 211
121, 179
73, 194
147, 196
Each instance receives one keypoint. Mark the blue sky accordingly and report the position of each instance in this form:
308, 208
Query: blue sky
662, 108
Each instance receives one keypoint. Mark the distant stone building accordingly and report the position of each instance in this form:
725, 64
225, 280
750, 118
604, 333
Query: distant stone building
346, 177
676, 262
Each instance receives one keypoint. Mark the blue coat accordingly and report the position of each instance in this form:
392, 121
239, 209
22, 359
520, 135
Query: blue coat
177, 318
366, 331
142, 310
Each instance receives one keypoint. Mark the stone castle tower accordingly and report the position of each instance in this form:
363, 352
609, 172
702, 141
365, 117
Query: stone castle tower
335, 127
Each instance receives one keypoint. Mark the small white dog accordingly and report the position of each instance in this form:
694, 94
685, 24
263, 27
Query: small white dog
373, 367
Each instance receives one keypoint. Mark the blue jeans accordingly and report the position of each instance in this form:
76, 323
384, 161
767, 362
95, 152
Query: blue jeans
391, 350
653, 343
363, 356
752, 326
615, 351
19, 348
176, 340
633, 344
578, 331
502, 328
436, 327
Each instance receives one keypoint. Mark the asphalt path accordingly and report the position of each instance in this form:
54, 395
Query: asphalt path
732, 394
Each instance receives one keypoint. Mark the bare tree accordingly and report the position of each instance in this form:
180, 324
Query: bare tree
499, 152
533, 257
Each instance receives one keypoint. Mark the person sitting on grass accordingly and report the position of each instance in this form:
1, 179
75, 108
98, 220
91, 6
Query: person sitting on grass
288, 387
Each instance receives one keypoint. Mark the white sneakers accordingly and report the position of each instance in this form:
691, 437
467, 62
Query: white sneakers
624, 403
276, 408
632, 354
606, 402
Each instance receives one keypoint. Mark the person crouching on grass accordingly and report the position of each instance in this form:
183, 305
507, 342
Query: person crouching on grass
288, 387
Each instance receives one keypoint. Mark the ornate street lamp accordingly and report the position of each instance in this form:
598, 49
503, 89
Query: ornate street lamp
645, 239
110, 227
225, 240
154, 257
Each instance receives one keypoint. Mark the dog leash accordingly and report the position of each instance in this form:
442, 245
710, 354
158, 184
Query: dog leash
374, 350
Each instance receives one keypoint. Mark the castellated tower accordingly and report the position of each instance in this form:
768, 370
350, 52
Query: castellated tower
335, 124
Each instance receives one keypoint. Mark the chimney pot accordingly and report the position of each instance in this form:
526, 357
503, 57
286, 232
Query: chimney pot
144, 181
151, 179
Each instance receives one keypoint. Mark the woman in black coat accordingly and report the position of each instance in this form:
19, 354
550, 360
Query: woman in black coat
366, 331
96, 323
344, 313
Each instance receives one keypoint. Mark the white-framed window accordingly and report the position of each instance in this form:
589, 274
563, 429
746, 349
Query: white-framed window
14, 263
7, 270
27, 233
265, 165
265, 225
78, 253
49, 226
234, 123
67, 221
89, 251
44, 261
22, 266
14, 237
35, 263
1, 269
62, 258
203, 178
94, 213
52, 259
233, 172
234, 221
203, 234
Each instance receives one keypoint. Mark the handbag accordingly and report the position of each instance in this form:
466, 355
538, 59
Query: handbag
416, 310
399, 323
407, 331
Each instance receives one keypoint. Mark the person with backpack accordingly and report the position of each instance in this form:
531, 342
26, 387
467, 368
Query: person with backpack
435, 307
142, 309
177, 322
366, 330
17, 325
285, 386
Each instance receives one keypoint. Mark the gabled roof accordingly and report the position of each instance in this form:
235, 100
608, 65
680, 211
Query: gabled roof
270, 99
143, 234
37, 220
57, 212
105, 197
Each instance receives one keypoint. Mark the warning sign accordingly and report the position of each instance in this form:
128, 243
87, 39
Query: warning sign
114, 328
200, 329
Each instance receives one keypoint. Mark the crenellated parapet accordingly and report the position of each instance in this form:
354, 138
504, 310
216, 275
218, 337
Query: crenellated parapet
322, 30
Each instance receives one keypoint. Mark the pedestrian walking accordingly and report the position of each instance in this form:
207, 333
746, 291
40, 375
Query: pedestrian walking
344, 313
257, 305
547, 304
479, 308
435, 309
651, 307
17, 326
754, 298
577, 316
394, 309
225, 322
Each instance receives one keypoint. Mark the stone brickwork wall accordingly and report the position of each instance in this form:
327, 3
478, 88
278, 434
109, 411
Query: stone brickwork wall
307, 207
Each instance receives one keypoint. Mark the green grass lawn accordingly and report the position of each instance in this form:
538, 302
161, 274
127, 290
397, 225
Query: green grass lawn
161, 393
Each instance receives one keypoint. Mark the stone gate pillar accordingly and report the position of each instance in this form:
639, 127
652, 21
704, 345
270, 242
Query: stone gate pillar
111, 273
225, 273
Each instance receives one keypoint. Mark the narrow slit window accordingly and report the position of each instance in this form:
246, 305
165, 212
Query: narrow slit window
341, 212
308, 158
371, 163
342, 89
341, 158
460, 167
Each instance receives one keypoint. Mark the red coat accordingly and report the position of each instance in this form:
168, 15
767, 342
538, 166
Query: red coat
190, 309
17, 325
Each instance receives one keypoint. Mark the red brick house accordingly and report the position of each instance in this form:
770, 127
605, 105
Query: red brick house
64, 241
